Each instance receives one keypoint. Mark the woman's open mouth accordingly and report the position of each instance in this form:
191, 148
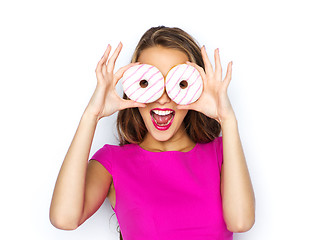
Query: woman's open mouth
162, 118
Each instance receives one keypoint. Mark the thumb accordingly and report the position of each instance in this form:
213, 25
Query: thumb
186, 107
131, 104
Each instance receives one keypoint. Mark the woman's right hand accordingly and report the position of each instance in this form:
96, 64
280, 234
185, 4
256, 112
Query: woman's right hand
105, 100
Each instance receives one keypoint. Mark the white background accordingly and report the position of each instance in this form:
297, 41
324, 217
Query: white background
281, 91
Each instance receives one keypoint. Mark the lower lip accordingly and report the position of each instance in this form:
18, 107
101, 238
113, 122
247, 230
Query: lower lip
162, 128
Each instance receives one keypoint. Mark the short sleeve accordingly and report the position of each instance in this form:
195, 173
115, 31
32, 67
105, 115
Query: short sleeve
219, 149
103, 156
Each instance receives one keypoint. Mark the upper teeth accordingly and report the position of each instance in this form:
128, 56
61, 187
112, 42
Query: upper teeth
162, 113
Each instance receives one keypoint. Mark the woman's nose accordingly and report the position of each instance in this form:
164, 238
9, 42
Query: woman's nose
164, 98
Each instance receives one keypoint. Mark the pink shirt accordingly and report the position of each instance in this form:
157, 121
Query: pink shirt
167, 195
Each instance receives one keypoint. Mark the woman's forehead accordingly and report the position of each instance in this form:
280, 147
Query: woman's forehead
162, 58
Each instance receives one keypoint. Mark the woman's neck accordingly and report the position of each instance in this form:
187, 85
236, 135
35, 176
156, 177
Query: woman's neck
179, 142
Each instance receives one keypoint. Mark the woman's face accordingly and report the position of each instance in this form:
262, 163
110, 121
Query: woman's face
161, 117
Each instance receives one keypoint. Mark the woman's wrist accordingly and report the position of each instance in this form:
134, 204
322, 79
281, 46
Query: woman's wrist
88, 116
227, 120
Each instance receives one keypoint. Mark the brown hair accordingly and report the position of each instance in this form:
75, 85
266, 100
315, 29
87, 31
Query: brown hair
200, 128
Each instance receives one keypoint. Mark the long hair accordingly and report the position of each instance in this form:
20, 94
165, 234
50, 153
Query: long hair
199, 127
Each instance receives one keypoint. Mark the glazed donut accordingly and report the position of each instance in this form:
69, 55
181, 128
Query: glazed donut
143, 83
184, 84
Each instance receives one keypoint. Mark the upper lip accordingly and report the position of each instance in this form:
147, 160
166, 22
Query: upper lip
162, 109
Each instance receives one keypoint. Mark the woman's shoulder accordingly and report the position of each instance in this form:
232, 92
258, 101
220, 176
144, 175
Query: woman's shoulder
217, 139
214, 147
117, 148
109, 154
215, 142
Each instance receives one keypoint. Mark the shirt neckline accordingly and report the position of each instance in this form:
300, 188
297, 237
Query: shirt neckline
147, 151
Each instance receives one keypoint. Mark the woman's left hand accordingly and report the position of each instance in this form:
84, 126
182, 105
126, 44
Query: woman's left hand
213, 101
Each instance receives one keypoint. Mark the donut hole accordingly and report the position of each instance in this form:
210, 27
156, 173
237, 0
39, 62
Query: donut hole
183, 84
143, 83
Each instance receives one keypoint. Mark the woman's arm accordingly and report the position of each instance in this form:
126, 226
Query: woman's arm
236, 187
75, 184
81, 187
67, 205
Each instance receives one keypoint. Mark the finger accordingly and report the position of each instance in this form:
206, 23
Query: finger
114, 56
218, 66
191, 106
228, 76
119, 74
207, 63
98, 69
104, 69
131, 104
105, 54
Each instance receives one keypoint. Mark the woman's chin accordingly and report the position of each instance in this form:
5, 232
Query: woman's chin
161, 137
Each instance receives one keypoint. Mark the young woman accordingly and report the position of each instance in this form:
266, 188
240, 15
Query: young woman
172, 176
